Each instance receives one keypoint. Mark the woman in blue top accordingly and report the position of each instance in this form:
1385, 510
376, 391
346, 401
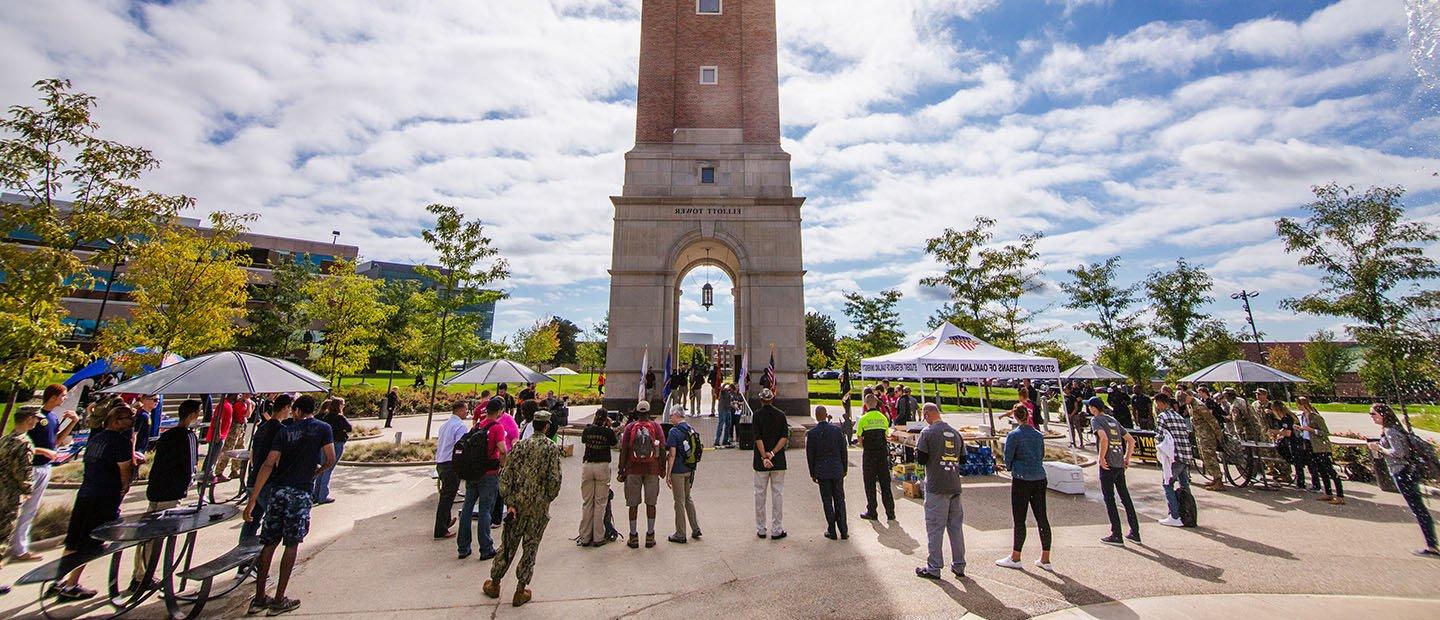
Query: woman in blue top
1025, 456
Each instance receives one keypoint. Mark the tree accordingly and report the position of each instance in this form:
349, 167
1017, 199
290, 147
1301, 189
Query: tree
458, 283
1280, 359
348, 307
1132, 356
592, 357
1323, 361
1210, 343
984, 283
399, 297
54, 152
1065, 357
1373, 269
1176, 298
1123, 347
1094, 288
849, 351
537, 343
815, 359
820, 331
278, 322
189, 292
1393, 377
568, 333
875, 318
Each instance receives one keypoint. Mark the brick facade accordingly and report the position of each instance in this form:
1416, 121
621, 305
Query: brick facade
675, 42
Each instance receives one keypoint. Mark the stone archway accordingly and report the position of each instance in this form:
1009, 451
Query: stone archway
693, 255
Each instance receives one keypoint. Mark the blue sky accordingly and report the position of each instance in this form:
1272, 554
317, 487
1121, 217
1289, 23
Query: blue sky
1147, 129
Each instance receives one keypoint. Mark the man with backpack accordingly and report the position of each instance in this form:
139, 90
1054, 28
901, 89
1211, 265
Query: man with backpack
450, 432
641, 470
477, 457
684, 450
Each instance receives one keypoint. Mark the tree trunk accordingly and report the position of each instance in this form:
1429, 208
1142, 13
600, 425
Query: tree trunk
435, 382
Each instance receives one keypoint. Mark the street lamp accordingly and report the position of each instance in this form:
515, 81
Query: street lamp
122, 248
1245, 296
334, 237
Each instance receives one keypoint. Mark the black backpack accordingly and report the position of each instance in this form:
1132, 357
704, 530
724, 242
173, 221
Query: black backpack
472, 454
1423, 458
1188, 512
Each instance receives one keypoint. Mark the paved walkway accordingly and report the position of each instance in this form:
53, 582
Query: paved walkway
1318, 607
370, 555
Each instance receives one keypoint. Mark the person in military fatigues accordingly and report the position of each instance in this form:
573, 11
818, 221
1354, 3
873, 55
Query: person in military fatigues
1207, 435
1241, 416
529, 481
16, 453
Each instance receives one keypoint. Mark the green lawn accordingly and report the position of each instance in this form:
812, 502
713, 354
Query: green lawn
582, 383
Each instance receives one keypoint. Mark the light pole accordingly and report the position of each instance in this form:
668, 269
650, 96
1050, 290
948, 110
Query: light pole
334, 237
1245, 296
122, 248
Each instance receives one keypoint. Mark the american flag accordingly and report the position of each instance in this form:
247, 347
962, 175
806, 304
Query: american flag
964, 342
770, 374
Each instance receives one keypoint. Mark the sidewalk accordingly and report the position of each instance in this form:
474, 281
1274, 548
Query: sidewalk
1314, 606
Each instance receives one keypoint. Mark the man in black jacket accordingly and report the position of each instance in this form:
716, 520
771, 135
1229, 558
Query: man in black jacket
1119, 403
825, 453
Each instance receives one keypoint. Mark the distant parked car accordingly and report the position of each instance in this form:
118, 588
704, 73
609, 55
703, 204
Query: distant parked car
827, 374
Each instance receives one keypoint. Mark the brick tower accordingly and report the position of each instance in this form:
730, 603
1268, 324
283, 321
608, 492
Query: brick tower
707, 184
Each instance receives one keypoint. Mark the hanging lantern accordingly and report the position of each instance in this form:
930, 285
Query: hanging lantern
707, 292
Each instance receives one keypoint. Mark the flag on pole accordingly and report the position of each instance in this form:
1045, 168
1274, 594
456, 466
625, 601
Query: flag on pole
845, 379
667, 376
644, 371
769, 380
742, 374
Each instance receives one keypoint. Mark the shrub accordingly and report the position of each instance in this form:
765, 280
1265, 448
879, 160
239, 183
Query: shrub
53, 520
364, 430
388, 452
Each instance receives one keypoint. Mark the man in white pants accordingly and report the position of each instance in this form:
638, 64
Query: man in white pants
47, 437
772, 435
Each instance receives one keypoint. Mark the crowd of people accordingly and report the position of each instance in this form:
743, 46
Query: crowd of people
505, 451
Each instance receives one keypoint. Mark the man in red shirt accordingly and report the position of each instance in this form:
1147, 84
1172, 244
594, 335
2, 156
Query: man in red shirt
220, 421
641, 446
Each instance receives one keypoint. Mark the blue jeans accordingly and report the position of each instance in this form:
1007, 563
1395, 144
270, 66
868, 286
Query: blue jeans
262, 501
322, 482
1409, 486
725, 427
480, 499
1181, 473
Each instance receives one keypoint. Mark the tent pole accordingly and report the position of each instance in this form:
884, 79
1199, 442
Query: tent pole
989, 407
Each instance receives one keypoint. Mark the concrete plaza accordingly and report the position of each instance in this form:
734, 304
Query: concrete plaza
370, 555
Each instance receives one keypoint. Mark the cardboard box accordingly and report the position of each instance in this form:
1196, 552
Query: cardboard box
567, 451
914, 490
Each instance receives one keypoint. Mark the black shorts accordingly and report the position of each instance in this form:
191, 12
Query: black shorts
88, 514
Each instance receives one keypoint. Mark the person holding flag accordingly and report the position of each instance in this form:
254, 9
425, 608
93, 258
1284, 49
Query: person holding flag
768, 381
647, 378
847, 423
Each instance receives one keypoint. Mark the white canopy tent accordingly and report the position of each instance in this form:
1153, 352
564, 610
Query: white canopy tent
951, 353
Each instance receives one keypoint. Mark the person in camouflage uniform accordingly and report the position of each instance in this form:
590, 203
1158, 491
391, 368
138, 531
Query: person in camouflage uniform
1207, 436
16, 453
529, 481
1241, 416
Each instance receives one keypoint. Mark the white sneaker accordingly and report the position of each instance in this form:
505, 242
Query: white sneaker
1172, 522
1009, 563
1046, 566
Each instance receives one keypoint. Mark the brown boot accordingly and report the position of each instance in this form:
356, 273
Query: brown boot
1214, 486
522, 596
491, 588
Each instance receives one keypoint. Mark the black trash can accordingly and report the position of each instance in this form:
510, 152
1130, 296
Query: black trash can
745, 435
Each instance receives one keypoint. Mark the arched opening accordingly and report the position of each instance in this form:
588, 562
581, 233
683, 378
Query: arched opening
696, 334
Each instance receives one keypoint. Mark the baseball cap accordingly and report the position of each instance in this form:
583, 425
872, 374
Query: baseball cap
643, 406
766, 394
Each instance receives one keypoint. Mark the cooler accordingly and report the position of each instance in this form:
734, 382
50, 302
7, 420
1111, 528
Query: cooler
1065, 477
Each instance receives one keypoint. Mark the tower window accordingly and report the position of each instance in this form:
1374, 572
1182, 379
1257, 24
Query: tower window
709, 75
707, 7
707, 174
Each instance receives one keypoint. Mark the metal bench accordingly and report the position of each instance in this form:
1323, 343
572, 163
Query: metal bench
57, 569
243, 553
